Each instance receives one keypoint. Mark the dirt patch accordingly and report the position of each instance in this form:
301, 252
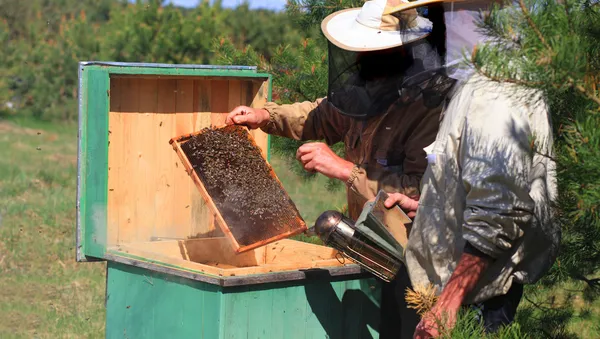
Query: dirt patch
252, 202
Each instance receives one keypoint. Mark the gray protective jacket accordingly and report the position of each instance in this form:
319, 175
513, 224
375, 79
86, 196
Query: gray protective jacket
490, 181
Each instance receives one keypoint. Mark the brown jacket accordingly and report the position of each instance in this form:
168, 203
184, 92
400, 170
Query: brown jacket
387, 150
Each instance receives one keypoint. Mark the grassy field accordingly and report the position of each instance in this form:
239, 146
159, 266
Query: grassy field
44, 293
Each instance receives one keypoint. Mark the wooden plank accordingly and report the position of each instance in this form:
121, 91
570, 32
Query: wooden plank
216, 250
147, 175
115, 147
212, 318
238, 96
170, 253
208, 200
294, 251
203, 220
165, 160
127, 159
260, 90
182, 209
219, 102
295, 307
190, 75
237, 308
278, 329
149, 254
147, 304
260, 320
248, 93
235, 95
94, 165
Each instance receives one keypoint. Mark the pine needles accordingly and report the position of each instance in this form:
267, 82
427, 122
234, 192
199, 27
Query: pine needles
422, 298
554, 46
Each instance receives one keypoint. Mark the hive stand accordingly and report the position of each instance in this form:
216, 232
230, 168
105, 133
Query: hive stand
170, 272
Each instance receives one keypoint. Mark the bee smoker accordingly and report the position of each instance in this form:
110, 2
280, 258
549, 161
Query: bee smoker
375, 241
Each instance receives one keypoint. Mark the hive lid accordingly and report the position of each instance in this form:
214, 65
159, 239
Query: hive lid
239, 186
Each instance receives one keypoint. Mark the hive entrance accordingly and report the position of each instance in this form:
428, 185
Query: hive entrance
229, 166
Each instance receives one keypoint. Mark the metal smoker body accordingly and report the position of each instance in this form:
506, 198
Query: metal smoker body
374, 241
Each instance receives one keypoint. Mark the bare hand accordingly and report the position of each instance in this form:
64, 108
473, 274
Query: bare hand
442, 316
318, 157
252, 117
407, 204
438, 320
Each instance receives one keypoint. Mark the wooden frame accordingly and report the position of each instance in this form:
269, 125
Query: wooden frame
176, 143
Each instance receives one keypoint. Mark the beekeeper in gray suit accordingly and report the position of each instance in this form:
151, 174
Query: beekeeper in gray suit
484, 224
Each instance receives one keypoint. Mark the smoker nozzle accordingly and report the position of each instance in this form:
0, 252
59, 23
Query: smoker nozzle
327, 222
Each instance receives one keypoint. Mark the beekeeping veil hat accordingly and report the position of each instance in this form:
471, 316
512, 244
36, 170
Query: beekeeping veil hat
461, 19
372, 54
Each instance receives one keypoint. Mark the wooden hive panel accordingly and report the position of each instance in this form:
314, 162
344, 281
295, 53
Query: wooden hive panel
213, 256
149, 191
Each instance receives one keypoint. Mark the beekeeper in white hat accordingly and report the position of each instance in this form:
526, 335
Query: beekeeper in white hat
484, 224
379, 67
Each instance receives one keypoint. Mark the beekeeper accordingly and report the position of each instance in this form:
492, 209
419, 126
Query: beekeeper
383, 103
484, 224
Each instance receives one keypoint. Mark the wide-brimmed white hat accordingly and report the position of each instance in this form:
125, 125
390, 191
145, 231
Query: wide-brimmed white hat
369, 29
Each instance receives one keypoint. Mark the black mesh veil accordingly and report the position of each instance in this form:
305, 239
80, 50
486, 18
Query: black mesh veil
366, 84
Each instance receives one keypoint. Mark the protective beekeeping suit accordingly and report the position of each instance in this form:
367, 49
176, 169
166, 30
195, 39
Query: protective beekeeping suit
383, 103
484, 224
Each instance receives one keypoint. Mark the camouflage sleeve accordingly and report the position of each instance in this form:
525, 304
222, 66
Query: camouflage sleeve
306, 120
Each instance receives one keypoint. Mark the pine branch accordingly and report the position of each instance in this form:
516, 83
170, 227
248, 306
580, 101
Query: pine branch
571, 81
479, 69
533, 25
592, 283
568, 12
583, 91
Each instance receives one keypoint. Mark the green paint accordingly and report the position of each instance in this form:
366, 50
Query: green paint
94, 161
143, 303
158, 262
175, 71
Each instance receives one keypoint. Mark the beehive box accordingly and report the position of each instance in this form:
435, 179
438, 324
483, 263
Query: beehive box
138, 209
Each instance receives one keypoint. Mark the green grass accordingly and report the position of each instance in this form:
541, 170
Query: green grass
44, 293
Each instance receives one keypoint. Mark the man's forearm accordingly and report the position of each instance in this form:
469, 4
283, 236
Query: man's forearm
468, 271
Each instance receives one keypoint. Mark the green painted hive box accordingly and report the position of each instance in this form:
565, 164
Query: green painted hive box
171, 273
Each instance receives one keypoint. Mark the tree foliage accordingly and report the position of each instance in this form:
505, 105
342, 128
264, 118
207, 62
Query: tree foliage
555, 46
42, 42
